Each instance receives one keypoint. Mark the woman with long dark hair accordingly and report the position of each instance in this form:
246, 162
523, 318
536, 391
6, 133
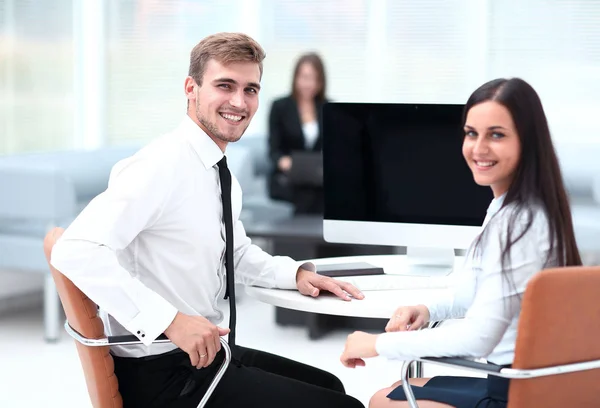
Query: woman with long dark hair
294, 126
528, 227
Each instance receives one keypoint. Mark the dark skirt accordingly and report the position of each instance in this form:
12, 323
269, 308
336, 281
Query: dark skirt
461, 392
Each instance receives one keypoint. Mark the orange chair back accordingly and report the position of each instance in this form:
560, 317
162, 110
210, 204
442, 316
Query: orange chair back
82, 314
559, 324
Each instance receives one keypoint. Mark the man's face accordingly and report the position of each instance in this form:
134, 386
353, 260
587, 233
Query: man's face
226, 101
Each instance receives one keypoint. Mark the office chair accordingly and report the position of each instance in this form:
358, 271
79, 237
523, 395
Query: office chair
84, 325
557, 353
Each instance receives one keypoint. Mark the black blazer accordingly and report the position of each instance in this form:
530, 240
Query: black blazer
286, 136
285, 129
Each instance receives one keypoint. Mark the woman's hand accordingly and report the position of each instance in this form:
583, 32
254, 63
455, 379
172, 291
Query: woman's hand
359, 345
407, 318
285, 163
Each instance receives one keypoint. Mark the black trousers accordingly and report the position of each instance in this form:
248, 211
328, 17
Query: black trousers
253, 379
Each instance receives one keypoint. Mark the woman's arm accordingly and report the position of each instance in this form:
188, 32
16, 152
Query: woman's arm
453, 305
276, 142
496, 303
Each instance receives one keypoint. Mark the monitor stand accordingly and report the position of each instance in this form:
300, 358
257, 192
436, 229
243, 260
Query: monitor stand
429, 261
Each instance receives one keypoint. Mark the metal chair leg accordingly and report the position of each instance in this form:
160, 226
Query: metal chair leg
52, 310
410, 397
415, 370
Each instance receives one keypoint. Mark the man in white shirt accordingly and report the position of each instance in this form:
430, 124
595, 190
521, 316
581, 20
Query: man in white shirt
151, 249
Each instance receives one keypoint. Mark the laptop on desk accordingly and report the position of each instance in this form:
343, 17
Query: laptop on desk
307, 169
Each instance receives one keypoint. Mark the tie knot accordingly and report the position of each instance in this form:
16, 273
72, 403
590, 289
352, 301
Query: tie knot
223, 163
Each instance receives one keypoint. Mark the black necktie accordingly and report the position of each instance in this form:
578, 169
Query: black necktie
225, 179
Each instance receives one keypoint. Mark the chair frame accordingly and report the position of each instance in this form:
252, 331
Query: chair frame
491, 369
131, 339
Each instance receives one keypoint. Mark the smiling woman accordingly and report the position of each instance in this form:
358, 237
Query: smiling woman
491, 147
527, 228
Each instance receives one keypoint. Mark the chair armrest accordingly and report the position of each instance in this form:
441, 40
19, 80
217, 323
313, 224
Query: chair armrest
131, 339
464, 363
433, 325
110, 340
491, 369
455, 362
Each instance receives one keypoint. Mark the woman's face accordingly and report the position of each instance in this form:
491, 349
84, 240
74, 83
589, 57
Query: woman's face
491, 146
307, 83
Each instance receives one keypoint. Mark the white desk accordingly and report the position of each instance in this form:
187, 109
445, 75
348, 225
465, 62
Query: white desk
376, 304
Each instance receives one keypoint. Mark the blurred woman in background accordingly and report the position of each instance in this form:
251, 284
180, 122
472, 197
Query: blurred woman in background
294, 126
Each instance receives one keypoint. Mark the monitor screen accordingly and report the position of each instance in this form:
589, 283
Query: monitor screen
398, 164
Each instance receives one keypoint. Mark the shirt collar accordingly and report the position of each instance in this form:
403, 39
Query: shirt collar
203, 145
495, 205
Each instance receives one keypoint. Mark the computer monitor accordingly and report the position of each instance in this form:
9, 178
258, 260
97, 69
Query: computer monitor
394, 174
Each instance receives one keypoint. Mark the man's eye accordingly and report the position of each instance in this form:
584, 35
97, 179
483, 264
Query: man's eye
224, 86
251, 90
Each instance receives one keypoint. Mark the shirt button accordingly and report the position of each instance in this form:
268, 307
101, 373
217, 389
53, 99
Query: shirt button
139, 332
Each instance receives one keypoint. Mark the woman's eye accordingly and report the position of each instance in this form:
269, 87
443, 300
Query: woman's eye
470, 133
497, 135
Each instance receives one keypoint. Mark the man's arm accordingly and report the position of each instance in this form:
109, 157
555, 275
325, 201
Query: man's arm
253, 266
86, 253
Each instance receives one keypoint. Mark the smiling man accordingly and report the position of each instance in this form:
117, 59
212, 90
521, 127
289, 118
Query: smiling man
157, 250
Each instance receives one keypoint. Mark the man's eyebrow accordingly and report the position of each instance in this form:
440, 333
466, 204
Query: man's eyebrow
234, 82
226, 80
254, 85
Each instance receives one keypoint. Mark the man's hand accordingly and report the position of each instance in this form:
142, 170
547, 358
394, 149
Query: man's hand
408, 318
359, 345
310, 284
196, 336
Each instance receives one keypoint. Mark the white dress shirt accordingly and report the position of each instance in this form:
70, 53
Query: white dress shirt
310, 130
488, 302
153, 243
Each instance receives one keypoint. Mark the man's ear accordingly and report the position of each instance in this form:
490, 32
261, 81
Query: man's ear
189, 88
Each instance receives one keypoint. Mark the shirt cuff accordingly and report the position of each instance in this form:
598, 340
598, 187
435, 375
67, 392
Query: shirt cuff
434, 312
440, 308
151, 323
386, 345
285, 277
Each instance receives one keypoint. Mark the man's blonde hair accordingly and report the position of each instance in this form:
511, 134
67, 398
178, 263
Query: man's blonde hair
225, 48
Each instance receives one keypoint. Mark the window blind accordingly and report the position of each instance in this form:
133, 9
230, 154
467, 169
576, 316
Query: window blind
36, 59
555, 46
377, 51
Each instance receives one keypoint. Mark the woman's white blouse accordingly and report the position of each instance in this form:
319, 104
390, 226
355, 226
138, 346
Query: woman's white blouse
487, 299
310, 130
